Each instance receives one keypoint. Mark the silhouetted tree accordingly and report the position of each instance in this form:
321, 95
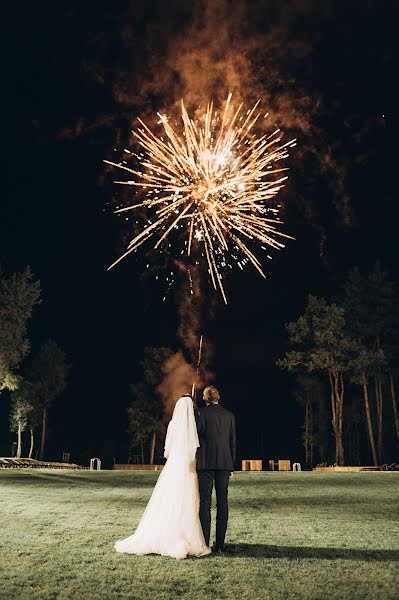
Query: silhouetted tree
309, 394
146, 412
139, 421
322, 345
34, 417
21, 409
19, 294
371, 305
48, 374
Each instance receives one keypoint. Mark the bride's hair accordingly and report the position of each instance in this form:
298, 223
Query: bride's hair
211, 394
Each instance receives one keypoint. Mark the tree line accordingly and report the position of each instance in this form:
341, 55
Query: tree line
33, 380
344, 352
146, 411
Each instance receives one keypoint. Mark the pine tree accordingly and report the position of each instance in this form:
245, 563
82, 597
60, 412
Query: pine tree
371, 305
322, 345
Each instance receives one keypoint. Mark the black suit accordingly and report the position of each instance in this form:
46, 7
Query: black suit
215, 461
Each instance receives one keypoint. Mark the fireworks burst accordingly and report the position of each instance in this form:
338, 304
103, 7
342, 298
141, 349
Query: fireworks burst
208, 187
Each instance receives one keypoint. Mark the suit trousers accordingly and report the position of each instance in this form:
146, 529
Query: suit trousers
206, 477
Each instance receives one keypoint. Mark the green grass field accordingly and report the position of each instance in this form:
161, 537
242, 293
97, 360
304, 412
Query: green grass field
291, 536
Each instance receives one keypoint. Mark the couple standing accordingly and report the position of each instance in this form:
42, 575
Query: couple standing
200, 449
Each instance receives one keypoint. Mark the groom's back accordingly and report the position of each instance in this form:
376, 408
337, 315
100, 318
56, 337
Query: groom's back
216, 430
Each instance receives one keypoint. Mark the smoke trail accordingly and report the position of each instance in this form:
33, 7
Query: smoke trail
225, 49
196, 312
204, 50
177, 381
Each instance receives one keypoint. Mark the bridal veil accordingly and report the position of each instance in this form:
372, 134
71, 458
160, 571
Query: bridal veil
170, 524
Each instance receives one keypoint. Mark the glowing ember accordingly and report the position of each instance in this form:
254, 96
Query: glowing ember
209, 183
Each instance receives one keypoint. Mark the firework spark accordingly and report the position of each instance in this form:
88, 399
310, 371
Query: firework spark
208, 187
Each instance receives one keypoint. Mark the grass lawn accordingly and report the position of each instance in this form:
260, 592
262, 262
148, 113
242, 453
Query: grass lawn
324, 536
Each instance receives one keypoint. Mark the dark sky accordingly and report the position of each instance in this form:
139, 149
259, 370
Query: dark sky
75, 76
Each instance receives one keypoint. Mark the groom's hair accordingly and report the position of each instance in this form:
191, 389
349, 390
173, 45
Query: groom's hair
211, 394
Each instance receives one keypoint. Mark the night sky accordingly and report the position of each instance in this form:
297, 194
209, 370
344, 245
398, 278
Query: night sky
76, 75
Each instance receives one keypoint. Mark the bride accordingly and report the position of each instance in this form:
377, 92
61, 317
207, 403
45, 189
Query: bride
170, 524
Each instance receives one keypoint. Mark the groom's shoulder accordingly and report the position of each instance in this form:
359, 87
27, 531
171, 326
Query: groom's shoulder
231, 415
222, 409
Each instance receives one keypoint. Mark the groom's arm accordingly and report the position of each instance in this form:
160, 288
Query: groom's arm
233, 438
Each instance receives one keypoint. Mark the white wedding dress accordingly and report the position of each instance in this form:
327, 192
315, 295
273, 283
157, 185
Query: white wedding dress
170, 524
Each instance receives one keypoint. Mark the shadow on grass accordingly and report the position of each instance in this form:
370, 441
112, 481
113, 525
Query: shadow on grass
306, 552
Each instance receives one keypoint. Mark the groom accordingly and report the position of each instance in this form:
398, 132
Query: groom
215, 462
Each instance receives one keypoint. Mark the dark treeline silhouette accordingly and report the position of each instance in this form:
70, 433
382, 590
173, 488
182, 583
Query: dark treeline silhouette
146, 412
32, 381
344, 352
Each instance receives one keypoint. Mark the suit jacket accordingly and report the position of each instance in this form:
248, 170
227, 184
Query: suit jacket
217, 437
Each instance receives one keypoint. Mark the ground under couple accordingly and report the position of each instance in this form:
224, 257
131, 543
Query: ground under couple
200, 448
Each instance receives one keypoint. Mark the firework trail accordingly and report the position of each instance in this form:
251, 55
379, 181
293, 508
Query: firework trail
208, 188
193, 388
